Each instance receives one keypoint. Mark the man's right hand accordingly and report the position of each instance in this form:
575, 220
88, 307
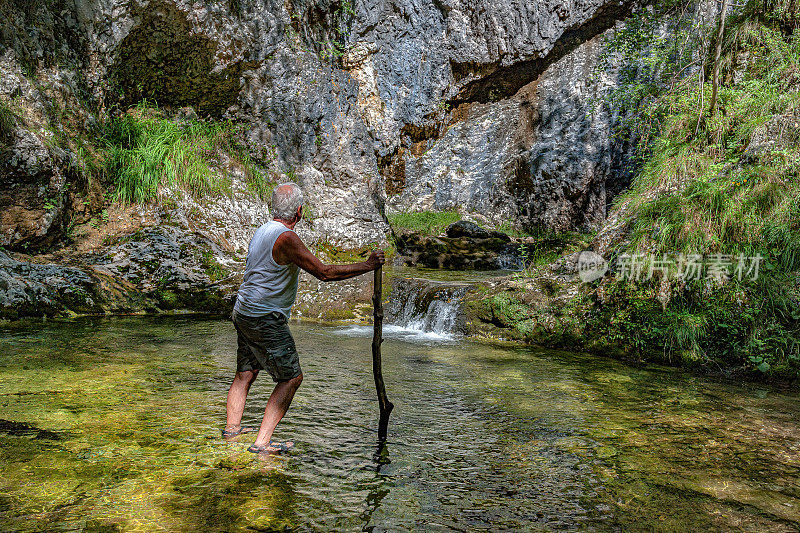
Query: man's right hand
376, 259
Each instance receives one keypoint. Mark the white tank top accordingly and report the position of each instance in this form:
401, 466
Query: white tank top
267, 286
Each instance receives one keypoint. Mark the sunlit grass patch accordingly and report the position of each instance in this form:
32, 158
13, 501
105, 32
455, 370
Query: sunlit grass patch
148, 152
428, 222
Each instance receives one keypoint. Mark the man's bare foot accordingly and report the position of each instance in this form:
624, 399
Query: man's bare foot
234, 431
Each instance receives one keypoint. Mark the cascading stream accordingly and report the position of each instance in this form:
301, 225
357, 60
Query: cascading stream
426, 307
421, 310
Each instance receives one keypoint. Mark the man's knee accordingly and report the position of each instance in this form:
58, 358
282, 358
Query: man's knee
247, 376
295, 382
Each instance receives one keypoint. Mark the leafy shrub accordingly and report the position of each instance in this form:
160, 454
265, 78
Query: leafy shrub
749, 325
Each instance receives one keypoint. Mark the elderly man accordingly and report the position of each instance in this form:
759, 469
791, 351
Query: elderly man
263, 305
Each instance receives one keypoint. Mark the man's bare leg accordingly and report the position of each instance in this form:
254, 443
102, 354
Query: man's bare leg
277, 405
237, 395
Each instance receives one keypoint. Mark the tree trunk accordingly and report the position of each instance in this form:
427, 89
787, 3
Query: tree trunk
717, 54
377, 338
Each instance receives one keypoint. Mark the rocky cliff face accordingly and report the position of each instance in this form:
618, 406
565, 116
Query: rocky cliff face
371, 105
544, 157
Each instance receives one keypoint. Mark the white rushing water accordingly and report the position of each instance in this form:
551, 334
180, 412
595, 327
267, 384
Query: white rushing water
391, 331
419, 311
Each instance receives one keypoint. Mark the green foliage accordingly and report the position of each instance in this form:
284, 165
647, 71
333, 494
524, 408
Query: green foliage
427, 222
650, 54
7, 122
778, 14
336, 45
509, 229
727, 183
146, 151
508, 310
258, 181
751, 325
721, 181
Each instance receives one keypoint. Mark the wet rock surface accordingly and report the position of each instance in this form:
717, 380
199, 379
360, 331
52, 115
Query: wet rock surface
155, 269
428, 305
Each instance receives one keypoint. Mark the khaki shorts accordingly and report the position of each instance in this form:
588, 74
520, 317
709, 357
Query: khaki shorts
265, 343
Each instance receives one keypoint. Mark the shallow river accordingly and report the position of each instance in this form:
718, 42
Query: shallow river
113, 424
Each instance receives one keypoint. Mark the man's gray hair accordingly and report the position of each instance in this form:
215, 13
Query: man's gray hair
286, 198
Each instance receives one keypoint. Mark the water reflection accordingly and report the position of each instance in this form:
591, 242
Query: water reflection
113, 424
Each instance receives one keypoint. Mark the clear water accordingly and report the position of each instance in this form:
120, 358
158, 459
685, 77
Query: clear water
112, 424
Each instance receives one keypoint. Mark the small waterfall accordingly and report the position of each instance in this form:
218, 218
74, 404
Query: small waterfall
426, 307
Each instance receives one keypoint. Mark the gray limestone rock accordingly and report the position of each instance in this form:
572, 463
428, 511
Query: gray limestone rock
374, 105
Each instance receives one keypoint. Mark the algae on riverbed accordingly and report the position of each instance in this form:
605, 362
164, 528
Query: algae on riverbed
113, 424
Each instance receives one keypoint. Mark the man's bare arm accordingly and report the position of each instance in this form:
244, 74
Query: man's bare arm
290, 249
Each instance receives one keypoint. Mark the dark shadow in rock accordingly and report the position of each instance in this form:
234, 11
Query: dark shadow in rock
162, 59
494, 82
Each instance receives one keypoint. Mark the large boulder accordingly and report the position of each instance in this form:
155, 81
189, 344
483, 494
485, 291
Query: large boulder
465, 228
154, 269
478, 250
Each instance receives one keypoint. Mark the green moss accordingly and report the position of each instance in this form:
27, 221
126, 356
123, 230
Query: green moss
734, 326
508, 309
214, 270
337, 313
168, 299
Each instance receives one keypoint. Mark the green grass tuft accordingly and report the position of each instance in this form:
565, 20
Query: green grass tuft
7, 122
147, 152
427, 222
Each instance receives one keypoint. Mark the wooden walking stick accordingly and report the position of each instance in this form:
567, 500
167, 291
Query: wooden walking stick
377, 338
